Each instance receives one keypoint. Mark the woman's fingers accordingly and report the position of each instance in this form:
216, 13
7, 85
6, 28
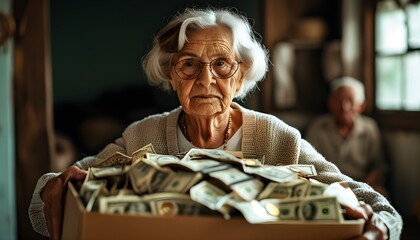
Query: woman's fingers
374, 228
53, 195
363, 211
73, 173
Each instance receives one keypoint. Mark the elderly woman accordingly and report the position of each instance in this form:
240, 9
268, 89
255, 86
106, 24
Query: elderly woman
210, 57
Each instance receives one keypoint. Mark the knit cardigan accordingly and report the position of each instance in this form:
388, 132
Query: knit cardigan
264, 137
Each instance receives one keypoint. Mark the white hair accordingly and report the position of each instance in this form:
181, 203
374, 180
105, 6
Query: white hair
171, 39
355, 84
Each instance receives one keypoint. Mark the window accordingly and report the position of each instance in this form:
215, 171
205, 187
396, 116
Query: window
398, 55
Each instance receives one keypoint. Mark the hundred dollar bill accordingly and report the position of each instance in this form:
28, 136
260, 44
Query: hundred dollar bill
220, 167
170, 204
158, 179
197, 153
320, 209
252, 211
117, 159
142, 152
125, 204
117, 183
316, 188
273, 173
220, 155
300, 188
248, 190
293, 189
140, 175
211, 196
317, 208
277, 190
104, 172
89, 192
162, 159
304, 170
284, 210
181, 182
230, 176
185, 164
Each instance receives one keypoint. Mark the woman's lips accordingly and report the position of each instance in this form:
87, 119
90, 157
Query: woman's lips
206, 96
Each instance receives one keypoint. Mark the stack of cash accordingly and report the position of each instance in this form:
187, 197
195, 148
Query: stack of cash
210, 182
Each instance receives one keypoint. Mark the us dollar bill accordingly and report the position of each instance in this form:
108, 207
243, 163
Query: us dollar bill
90, 191
284, 210
171, 204
211, 196
247, 190
161, 159
140, 176
141, 153
117, 159
110, 171
277, 190
304, 170
185, 164
158, 179
273, 173
299, 188
316, 188
252, 211
181, 182
319, 208
230, 176
125, 204
230, 157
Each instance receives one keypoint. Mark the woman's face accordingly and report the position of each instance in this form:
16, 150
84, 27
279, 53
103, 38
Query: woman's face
206, 95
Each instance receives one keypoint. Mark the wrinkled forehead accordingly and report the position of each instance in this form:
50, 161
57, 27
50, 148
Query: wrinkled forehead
214, 40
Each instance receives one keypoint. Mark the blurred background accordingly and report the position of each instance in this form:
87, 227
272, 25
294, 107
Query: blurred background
71, 81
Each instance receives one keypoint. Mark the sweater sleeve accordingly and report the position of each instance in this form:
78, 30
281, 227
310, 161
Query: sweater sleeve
329, 173
36, 207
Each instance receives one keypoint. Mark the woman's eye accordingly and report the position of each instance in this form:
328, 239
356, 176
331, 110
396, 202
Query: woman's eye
189, 63
220, 63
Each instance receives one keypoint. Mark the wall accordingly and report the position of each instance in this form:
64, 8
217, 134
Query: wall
97, 45
404, 155
7, 157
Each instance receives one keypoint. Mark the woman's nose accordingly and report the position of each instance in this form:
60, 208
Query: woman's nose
205, 78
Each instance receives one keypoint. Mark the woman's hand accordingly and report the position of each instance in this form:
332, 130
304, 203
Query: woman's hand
374, 228
53, 196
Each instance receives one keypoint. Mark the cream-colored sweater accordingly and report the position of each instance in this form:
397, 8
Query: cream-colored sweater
263, 135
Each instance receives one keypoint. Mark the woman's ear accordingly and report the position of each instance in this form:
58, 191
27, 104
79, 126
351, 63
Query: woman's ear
243, 69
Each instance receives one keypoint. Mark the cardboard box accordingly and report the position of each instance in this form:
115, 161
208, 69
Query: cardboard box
79, 224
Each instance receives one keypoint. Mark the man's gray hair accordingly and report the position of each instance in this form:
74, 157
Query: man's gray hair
355, 84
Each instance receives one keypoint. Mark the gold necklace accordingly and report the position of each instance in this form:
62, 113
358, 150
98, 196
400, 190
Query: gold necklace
227, 135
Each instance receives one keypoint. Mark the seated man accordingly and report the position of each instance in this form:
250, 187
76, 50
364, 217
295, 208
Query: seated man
345, 137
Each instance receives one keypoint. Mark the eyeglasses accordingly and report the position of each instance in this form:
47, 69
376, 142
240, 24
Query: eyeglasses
221, 68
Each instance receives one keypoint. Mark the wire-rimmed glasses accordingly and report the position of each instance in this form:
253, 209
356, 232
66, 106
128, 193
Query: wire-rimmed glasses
221, 68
